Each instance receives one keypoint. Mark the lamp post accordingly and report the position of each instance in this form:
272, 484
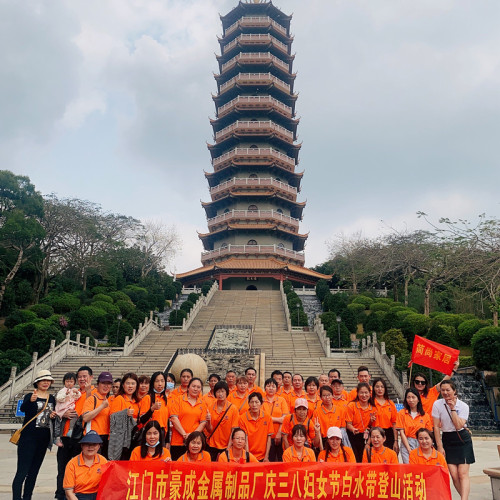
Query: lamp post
176, 306
298, 312
119, 318
339, 320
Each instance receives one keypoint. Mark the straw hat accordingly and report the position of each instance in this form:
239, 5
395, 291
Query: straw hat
43, 375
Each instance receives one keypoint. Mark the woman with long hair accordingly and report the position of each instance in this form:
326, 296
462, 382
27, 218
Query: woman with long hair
426, 454
334, 450
127, 398
450, 416
376, 452
258, 426
195, 446
236, 452
189, 414
152, 444
298, 452
429, 395
386, 413
154, 405
411, 418
361, 415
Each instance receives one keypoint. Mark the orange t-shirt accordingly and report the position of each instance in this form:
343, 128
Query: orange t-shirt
349, 455
81, 477
258, 431
190, 416
359, 417
124, 402
312, 405
382, 456
161, 415
256, 388
429, 400
386, 414
177, 393
100, 423
411, 425
436, 458
277, 408
290, 455
342, 402
220, 438
135, 456
292, 397
203, 456
290, 420
209, 398
329, 418
242, 460
241, 402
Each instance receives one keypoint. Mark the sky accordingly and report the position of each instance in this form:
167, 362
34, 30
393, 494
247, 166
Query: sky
398, 102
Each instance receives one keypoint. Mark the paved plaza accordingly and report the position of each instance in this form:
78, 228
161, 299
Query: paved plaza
485, 450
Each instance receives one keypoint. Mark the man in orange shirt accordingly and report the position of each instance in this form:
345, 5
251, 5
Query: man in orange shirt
251, 375
68, 451
298, 390
363, 377
285, 390
231, 380
95, 412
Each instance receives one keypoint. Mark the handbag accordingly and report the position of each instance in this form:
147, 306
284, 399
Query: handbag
77, 431
14, 439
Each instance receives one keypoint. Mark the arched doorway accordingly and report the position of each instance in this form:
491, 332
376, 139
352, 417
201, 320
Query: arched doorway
251, 287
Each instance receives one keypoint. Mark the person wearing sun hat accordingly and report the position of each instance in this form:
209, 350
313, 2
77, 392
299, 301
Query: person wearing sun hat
83, 472
36, 435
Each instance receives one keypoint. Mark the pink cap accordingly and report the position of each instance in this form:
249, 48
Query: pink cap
333, 432
301, 402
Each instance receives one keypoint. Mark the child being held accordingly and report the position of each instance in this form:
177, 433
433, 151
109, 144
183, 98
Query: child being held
65, 400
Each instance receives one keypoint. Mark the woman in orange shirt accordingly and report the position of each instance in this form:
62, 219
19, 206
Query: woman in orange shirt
195, 444
277, 408
312, 395
386, 413
239, 397
377, 453
334, 450
411, 418
236, 452
360, 416
189, 414
299, 416
152, 442
298, 452
154, 406
426, 454
143, 386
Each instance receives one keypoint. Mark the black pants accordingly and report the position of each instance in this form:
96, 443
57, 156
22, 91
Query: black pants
64, 455
389, 438
30, 454
358, 445
86, 496
177, 451
276, 451
215, 452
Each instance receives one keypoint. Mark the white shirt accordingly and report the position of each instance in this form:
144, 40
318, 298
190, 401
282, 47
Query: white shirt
440, 410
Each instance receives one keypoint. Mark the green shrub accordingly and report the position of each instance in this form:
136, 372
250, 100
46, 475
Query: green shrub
379, 306
63, 302
468, 328
287, 286
171, 291
398, 307
41, 338
322, 289
178, 286
83, 335
447, 319
116, 296
89, 317
402, 361
136, 317
18, 317
486, 347
24, 293
17, 357
101, 297
193, 297
395, 342
109, 307
175, 318
466, 361
117, 335
362, 299
357, 309
5, 366
335, 302
444, 334
389, 320
303, 321
415, 324
42, 310
13, 339
186, 306
333, 334
374, 321
125, 307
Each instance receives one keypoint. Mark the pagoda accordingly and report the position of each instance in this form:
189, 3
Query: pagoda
253, 216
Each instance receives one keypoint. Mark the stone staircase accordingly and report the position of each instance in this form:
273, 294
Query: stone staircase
311, 305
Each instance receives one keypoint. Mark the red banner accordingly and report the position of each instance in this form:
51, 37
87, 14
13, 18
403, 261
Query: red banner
433, 355
154, 480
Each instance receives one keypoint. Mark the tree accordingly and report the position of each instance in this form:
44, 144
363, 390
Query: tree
157, 244
21, 209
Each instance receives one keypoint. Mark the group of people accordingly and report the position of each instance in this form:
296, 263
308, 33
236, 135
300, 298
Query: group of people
236, 421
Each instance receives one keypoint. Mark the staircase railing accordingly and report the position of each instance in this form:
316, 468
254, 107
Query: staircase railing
370, 348
285, 306
324, 340
204, 300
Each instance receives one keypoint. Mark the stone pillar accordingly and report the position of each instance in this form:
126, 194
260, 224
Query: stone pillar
33, 364
405, 380
87, 344
382, 348
363, 344
78, 337
374, 337
52, 349
12, 380
393, 360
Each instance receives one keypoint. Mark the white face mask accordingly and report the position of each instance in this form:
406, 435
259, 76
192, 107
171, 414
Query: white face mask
170, 385
153, 445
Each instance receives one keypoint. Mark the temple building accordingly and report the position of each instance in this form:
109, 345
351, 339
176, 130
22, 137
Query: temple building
253, 240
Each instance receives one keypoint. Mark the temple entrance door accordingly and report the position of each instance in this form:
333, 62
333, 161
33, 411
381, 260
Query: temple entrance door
251, 287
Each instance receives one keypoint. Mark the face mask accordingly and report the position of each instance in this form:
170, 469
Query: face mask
157, 392
153, 445
170, 385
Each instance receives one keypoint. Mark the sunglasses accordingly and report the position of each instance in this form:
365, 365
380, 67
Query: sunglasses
420, 382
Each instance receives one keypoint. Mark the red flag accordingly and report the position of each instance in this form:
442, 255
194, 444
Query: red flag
433, 355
